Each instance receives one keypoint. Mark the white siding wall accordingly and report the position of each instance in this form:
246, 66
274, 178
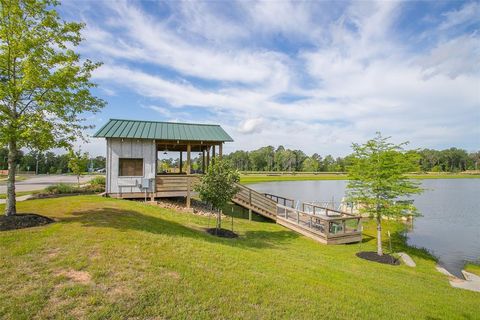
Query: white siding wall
129, 148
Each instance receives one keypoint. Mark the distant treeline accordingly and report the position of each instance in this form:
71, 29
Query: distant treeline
264, 159
48, 162
281, 159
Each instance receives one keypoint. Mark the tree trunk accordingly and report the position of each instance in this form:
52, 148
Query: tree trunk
219, 219
379, 238
11, 207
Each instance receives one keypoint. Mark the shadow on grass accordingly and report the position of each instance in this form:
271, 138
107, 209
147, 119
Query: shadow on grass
126, 220
239, 212
367, 238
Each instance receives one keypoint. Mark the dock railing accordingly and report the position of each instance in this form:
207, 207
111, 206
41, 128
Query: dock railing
332, 226
281, 200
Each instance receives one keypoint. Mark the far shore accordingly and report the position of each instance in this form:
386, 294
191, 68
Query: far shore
257, 177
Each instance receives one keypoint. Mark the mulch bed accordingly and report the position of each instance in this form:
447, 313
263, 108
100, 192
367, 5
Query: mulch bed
373, 256
23, 220
223, 233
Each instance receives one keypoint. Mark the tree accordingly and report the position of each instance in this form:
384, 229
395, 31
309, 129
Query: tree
310, 165
78, 163
218, 186
44, 86
378, 182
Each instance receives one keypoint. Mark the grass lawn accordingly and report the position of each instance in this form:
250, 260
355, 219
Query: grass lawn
259, 177
108, 258
20, 193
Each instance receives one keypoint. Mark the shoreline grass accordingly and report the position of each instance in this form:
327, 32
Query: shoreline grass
260, 177
473, 268
108, 258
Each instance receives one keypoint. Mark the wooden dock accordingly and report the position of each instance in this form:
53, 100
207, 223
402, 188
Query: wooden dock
322, 224
319, 223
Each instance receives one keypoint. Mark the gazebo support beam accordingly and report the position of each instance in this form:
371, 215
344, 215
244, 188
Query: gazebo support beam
181, 162
189, 184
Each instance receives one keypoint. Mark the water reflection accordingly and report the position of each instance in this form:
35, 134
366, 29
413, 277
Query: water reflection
449, 226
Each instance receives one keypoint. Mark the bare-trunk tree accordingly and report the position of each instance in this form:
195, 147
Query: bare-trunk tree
11, 208
379, 236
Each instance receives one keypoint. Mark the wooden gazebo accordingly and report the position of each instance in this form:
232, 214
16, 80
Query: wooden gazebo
132, 153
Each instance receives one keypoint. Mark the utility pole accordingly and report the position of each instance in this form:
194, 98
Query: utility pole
36, 164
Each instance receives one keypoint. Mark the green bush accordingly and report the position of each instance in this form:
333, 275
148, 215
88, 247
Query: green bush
61, 188
97, 184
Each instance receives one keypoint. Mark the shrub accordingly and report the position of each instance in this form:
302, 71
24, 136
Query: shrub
61, 188
97, 184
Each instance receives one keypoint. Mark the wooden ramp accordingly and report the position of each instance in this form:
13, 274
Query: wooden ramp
318, 223
256, 202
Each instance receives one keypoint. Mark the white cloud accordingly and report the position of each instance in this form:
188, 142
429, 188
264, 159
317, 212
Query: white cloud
355, 77
468, 14
139, 36
455, 57
251, 126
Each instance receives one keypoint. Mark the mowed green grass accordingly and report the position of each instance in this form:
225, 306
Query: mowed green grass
259, 177
20, 193
107, 258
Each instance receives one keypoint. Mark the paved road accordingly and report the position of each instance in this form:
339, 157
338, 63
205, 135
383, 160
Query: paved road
40, 182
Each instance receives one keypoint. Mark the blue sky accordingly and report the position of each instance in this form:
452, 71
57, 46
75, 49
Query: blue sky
310, 75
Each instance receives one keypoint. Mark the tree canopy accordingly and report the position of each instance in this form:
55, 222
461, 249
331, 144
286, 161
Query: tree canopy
282, 159
377, 180
218, 185
44, 85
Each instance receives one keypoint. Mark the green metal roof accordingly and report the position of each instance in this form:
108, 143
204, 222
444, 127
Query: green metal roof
116, 128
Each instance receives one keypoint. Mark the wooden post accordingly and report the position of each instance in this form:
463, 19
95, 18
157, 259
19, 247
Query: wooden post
220, 150
250, 205
208, 157
181, 161
189, 149
213, 153
203, 161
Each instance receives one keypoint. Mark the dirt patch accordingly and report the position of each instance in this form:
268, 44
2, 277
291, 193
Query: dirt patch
52, 253
173, 275
373, 256
94, 254
23, 220
223, 233
76, 276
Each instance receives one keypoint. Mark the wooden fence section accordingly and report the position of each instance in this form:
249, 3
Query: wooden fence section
255, 201
174, 185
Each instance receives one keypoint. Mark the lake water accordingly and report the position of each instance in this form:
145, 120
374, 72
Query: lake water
449, 226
